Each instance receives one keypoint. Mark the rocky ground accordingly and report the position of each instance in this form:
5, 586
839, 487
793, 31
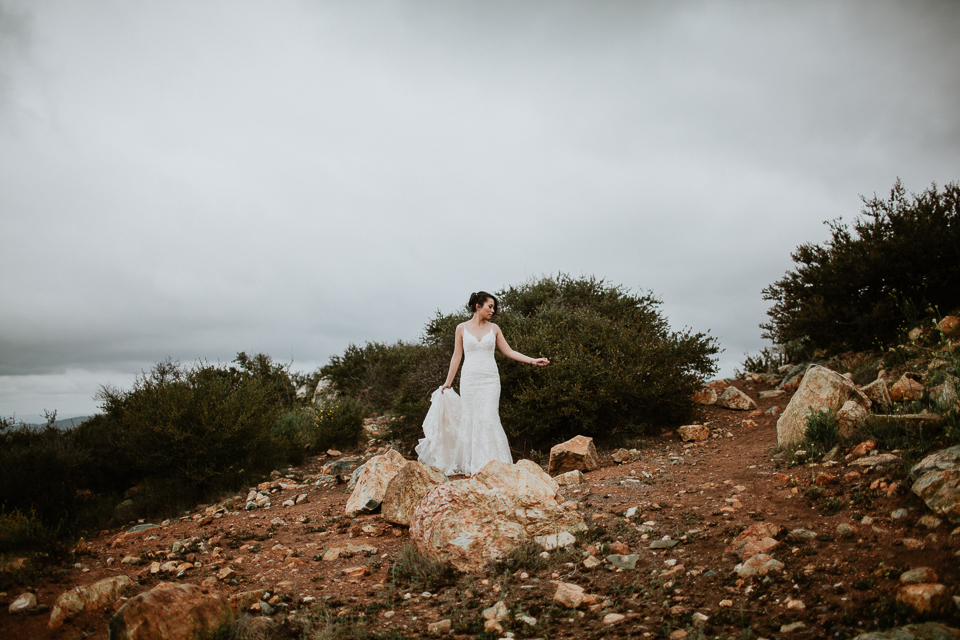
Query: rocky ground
837, 538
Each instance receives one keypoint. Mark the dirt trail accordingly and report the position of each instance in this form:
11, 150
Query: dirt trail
702, 495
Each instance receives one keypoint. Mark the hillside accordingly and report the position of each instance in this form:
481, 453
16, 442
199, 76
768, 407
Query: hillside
843, 542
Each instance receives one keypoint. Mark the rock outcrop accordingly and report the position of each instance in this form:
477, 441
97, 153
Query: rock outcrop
937, 482
578, 454
406, 490
100, 595
169, 612
821, 389
472, 522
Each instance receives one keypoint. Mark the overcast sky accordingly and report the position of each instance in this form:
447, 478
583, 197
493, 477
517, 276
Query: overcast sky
193, 179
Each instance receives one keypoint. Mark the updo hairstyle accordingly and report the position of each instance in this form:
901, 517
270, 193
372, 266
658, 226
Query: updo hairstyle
480, 298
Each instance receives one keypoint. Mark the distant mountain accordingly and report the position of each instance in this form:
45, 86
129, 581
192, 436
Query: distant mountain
64, 424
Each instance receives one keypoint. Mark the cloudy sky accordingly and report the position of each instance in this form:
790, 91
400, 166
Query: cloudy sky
192, 179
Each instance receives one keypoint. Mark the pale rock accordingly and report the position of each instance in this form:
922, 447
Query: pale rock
570, 478
99, 596
795, 604
801, 535
475, 521
850, 415
733, 398
577, 453
497, 612
25, 602
929, 522
625, 562
945, 395
441, 627
791, 627
613, 618
725, 604
175, 612
758, 565
919, 575
906, 390
878, 393
371, 486
844, 530
915, 334
879, 460
592, 562
693, 433
820, 390
406, 490
925, 597
937, 482
700, 619
571, 595
556, 540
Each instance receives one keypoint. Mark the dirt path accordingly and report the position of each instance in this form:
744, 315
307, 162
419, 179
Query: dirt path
700, 495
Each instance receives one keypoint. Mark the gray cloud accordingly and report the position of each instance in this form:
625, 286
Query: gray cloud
195, 179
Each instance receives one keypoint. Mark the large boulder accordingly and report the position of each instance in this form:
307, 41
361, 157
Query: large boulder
472, 522
821, 389
407, 489
170, 612
99, 596
733, 398
578, 454
371, 486
937, 482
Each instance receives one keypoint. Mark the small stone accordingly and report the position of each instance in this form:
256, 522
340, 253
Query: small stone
863, 448
663, 544
440, 627
619, 547
592, 562
527, 620
795, 605
793, 626
929, 522
678, 634
725, 604
226, 574
699, 619
899, 514
25, 602
613, 618
758, 565
918, 576
845, 531
356, 572
625, 562
912, 544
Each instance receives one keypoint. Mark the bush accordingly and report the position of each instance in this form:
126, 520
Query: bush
374, 373
823, 430
873, 282
421, 572
338, 423
616, 369
21, 531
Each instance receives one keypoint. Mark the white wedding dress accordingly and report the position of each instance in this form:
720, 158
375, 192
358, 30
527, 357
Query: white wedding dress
463, 433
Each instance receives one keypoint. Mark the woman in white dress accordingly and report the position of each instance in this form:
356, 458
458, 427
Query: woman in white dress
479, 436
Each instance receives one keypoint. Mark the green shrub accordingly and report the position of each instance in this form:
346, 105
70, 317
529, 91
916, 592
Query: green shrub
338, 423
822, 431
22, 531
294, 434
869, 284
373, 373
421, 572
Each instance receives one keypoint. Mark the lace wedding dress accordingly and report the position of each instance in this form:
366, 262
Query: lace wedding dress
462, 434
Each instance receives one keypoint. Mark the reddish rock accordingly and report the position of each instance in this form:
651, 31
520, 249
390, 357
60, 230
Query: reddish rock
755, 539
705, 396
100, 596
925, 597
920, 575
572, 596
863, 448
906, 390
619, 548
950, 326
693, 433
578, 453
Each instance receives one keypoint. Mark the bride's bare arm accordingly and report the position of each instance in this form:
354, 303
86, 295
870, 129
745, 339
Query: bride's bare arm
455, 360
516, 355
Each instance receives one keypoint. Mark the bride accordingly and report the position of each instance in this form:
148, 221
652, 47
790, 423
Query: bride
464, 433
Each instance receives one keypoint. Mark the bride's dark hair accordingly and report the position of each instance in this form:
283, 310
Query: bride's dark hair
480, 298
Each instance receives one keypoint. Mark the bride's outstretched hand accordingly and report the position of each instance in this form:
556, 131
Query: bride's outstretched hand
540, 362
